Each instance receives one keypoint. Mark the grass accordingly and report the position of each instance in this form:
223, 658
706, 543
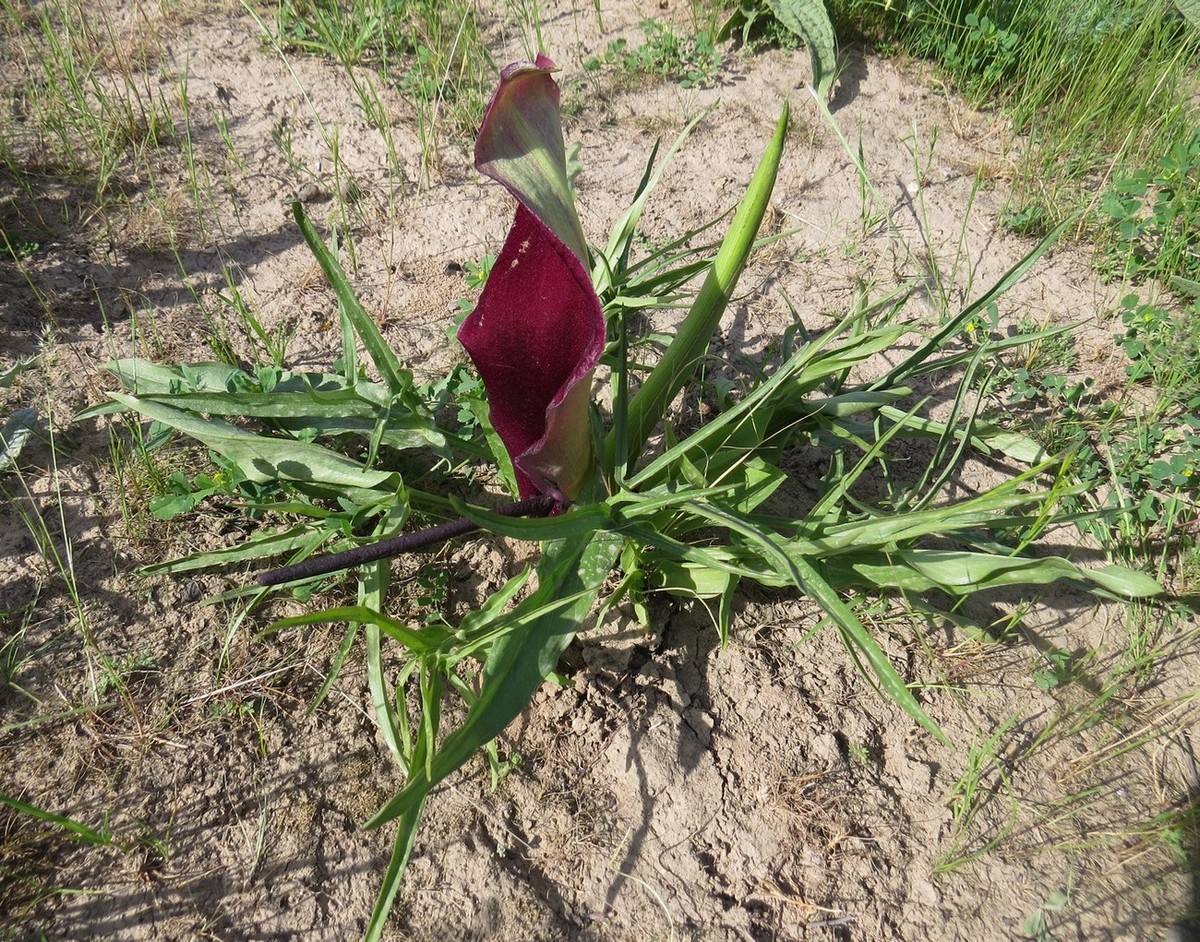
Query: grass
1092, 752
149, 161
1100, 89
432, 52
690, 60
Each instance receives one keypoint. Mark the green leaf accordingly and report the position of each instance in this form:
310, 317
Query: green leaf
751, 481
16, 432
262, 459
1127, 582
620, 240
989, 510
914, 363
490, 611
372, 589
406, 835
801, 573
961, 572
691, 580
9, 373
143, 377
576, 523
330, 412
504, 466
80, 831
1190, 10
301, 540
844, 405
1178, 282
398, 379
744, 424
691, 341
170, 506
570, 576
985, 437
419, 642
809, 20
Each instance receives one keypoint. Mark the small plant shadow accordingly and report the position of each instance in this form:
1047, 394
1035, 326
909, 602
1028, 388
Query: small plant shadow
853, 73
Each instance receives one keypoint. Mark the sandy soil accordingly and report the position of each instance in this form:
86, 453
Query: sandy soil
677, 789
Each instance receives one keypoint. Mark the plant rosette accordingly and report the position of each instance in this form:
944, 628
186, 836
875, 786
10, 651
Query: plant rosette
688, 512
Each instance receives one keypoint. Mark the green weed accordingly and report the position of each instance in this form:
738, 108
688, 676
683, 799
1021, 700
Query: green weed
1059, 669
984, 780
15, 652
1036, 925
691, 61
1139, 465
126, 670
1156, 218
1099, 89
1163, 348
78, 831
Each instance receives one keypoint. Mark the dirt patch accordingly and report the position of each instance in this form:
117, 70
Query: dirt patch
675, 788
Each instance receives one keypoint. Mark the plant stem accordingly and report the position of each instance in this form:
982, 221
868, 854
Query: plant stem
540, 506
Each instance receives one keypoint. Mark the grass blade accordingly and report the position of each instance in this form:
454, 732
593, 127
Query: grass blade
910, 365
80, 831
419, 642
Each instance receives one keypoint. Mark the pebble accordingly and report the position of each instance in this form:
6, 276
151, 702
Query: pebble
308, 193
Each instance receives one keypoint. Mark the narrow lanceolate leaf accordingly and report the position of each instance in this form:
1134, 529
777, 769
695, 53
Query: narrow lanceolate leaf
81, 831
406, 830
14, 435
620, 240
397, 378
961, 572
577, 524
372, 594
259, 458
142, 377
801, 573
809, 20
406, 836
569, 579
300, 538
339, 412
691, 341
418, 642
